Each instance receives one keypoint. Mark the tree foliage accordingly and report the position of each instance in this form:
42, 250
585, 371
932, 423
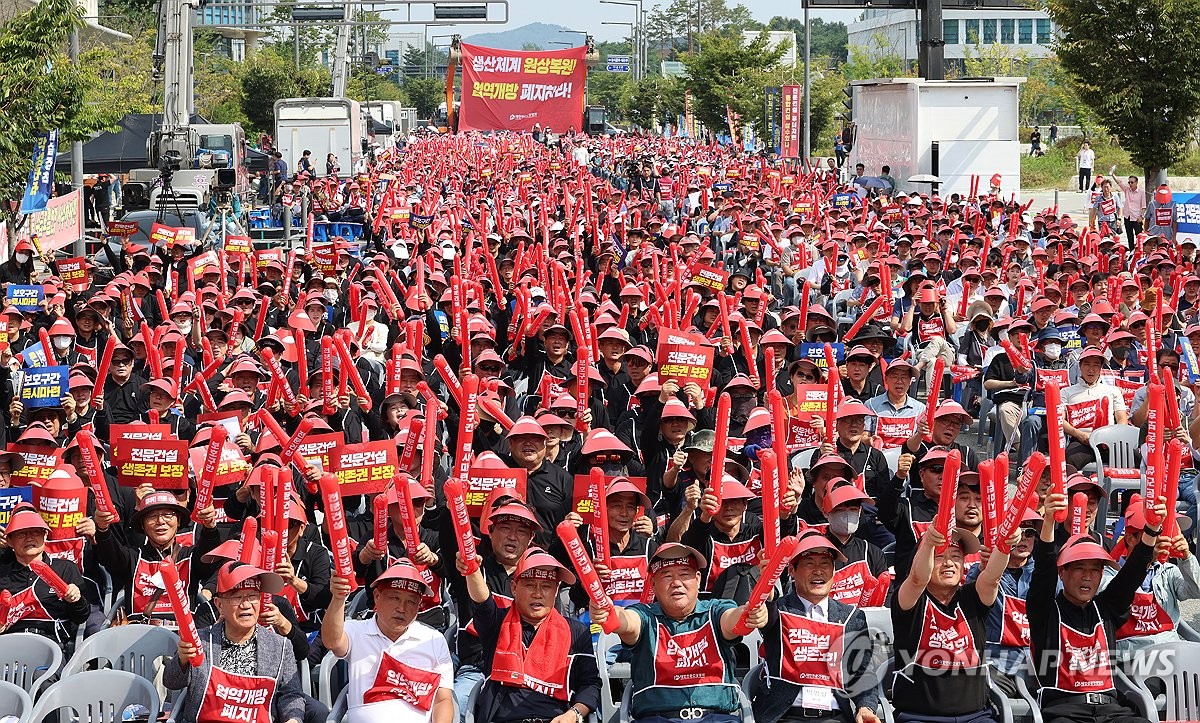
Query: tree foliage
877, 59
40, 89
266, 77
726, 72
1133, 65
827, 39
425, 94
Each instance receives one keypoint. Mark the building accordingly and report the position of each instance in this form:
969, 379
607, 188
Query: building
897, 32
237, 22
775, 38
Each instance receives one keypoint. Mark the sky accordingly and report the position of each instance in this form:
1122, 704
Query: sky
588, 15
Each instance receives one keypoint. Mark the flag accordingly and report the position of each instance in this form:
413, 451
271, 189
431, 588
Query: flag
40, 185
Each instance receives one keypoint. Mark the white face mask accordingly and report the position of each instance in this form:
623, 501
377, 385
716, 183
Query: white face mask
845, 522
185, 327
331, 294
22, 257
1052, 351
61, 342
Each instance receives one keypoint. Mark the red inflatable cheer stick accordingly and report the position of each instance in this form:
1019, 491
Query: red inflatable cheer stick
946, 500
766, 583
461, 520
1058, 455
339, 540
183, 613
588, 577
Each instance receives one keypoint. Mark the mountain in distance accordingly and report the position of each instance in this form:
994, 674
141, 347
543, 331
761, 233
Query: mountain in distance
540, 34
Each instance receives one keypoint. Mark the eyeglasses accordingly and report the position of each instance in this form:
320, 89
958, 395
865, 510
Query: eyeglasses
242, 598
935, 468
1028, 532
803, 375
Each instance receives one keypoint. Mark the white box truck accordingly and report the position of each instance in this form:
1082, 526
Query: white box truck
948, 128
322, 126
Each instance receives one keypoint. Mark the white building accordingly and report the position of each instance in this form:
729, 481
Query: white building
897, 32
775, 38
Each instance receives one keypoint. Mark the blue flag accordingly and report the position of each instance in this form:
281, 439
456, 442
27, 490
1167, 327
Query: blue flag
41, 176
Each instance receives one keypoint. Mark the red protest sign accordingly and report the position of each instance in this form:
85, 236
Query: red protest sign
185, 235
198, 264
74, 272
801, 434
364, 468
485, 479
160, 463
120, 435
324, 258
262, 257
40, 462
317, 449
584, 494
161, 235
231, 467
710, 277
124, 229
685, 358
238, 245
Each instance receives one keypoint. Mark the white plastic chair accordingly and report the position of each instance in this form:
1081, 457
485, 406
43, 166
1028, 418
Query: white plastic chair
608, 673
15, 701
1177, 666
137, 649
28, 660
99, 696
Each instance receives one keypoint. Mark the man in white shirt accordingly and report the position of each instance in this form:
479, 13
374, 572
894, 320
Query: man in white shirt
400, 669
1090, 404
1085, 160
1134, 209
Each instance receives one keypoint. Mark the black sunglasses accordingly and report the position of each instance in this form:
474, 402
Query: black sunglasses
936, 468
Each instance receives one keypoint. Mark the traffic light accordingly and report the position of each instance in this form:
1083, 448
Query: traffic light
847, 103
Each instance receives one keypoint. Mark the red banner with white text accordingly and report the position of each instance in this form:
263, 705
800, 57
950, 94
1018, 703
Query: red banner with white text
514, 89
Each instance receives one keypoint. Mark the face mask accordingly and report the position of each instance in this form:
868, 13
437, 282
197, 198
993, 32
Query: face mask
331, 294
61, 342
981, 328
22, 258
844, 523
1119, 352
185, 327
1052, 351
447, 253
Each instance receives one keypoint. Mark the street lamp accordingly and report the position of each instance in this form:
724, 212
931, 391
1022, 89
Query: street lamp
637, 39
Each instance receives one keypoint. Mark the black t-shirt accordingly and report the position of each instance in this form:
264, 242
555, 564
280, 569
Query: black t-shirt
945, 676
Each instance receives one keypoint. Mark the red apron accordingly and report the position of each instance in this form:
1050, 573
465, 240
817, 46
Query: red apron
811, 650
26, 606
946, 642
690, 658
930, 329
627, 578
397, 681
850, 581
232, 698
1014, 626
144, 589
1083, 660
1085, 415
1146, 617
728, 554
895, 431
69, 549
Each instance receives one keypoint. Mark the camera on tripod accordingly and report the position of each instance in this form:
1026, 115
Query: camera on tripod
170, 162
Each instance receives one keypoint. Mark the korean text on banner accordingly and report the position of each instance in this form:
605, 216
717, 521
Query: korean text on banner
60, 224
41, 174
364, 468
163, 464
685, 358
513, 90
44, 386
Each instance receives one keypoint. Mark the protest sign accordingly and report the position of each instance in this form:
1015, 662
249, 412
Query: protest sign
44, 386
685, 357
364, 468
25, 297
75, 273
485, 479
161, 463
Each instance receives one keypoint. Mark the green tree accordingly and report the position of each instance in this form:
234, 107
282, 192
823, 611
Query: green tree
41, 90
877, 59
727, 73
1132, 65
828, 39
417, 61
366, 85
425, 94
266, 77
132, 17
608, 90
531, 47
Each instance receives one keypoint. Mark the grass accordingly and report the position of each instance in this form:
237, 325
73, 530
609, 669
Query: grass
1056, 169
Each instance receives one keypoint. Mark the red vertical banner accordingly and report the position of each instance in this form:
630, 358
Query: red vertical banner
514, 89
791, 122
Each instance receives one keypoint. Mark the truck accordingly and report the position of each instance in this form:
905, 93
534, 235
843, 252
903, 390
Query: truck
322, 126
187, 162
950, 129
392, 113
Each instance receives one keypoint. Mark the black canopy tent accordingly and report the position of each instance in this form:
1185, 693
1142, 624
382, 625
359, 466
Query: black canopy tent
125, 149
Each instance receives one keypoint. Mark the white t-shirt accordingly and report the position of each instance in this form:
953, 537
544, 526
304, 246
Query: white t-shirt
420, 647
1087, 158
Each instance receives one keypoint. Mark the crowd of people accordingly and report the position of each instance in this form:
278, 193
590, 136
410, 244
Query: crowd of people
633, 385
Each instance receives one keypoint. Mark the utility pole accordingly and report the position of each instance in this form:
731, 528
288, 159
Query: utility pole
77, 149
931, 56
